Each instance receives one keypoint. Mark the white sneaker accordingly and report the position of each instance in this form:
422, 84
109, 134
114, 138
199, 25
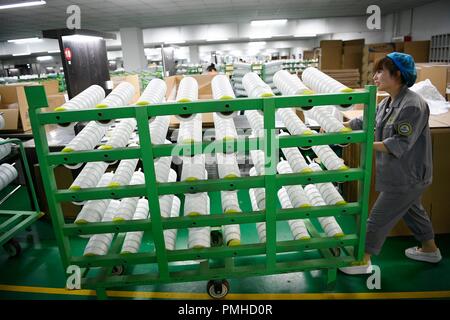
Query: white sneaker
355, 270
416, 254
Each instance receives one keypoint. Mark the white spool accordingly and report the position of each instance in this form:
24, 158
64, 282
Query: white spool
296, 193
187, 92
292, 122
7, 175
170, 235
260, 226
120, 96
227, 165
98, 244
86, 139
326, 120
133, 240
5, 149
255, 87
329, 158
224, 128
232, 235
120, 135
256, 122
230, 201
199, 237
196, 204
190, 130
222, 90
89, 176
295, 158
259, 161
328, 190
162, 168
321, 82
93, 210
289, 84
297, 226
260, 193
193, 168
154, 93
328, 224
88, 98
159, 128
124, 171
128, 205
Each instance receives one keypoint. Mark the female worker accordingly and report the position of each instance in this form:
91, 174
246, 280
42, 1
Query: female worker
403, 162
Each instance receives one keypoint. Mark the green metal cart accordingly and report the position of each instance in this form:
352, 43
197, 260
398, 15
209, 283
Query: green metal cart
220, 262
12, 222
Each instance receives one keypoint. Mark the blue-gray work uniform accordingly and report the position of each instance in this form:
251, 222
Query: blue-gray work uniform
403, 174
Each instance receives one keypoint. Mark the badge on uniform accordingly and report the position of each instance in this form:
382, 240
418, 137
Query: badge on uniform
405, 129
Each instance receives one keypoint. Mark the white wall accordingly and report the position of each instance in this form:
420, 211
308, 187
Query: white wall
431, 19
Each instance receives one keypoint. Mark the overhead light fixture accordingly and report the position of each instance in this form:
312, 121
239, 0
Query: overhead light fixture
25, 40
21, 54
81, 37
217, 39
53, 51
305, 35
22, 4
44, 58
262, 23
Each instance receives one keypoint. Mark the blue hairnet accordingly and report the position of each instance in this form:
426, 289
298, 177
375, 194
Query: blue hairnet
405, 63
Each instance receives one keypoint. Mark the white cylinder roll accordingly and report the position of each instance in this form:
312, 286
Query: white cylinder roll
89, 176
120, 96
187, 92
98, 244
292, 122
7, 175
227, 165
328, 190
86, 139
224, 128
133, 240
326, 120
124, 172
120, 135
321, 82
328, 224
190, 130
159, 128
256, 122
232, 235
295, 158
260, 193
255, 86
196, 204
199, 237
193, 168
162, 168
128, 205
289, 84
88, 98
230, 201
170, 235
165, 205
329, 158
297, 226
296, 193
154, 93
259, 161
222, 90
5, 149
260, 226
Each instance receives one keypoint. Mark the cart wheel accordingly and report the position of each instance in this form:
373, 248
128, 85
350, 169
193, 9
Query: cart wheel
13, 248
336, 252
216, 238
218, 289
118, 270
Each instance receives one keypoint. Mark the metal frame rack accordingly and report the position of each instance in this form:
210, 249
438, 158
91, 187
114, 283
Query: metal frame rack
221, 262
18, 221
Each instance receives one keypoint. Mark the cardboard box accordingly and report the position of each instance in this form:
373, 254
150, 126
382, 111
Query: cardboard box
420, 50
330, 54
353, 54
15, 107
51, 86
132, 79
54, 101
381, 47
438, 74
308, 55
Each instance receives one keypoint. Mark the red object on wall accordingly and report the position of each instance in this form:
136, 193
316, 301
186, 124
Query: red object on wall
68, 54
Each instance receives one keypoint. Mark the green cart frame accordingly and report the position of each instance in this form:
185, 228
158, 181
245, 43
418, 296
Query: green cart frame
245, 260
17, 221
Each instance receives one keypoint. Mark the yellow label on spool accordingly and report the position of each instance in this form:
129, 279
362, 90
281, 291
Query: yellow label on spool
117, 219
306, 170
106, 147
304, 238
226, 98
142, 103
343, 168
232, 211
234, 243
188, 141
114, 185
67, 149
75, 188
305, 206
267, 94
341, 203
193, 214
231, 176
307, 133
191, 179
228, 138
184, 100
308, 92
339, 235
347, 90
198, 247
346, 129
81, 221
60, 109
101, 105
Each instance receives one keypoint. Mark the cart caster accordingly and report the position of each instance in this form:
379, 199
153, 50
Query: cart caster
218, 289
216, 238
118, 270
13, 248
336, 252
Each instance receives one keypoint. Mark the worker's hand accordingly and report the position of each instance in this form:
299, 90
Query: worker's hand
321, 130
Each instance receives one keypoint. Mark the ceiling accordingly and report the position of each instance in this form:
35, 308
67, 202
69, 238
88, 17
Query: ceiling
110, 15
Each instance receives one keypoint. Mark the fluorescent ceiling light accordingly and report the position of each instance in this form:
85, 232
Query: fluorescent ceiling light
305, 35
25, 40
257, 43
53, 51
44, 58
22, 4
81, 37
217, 39
21, 54
262, 23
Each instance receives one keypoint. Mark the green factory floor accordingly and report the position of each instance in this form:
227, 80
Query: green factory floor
38, 274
